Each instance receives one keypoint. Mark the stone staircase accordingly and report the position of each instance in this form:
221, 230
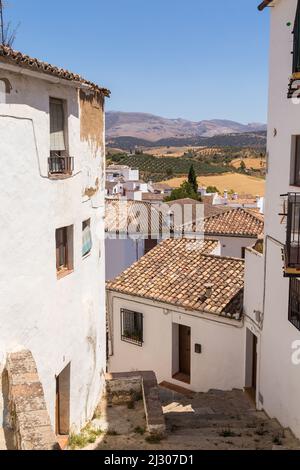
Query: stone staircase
221, 421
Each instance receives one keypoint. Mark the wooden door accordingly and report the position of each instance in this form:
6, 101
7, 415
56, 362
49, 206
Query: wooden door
185, 350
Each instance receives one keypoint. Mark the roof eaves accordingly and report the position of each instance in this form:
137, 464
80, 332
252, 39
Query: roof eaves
19, 59
264, 4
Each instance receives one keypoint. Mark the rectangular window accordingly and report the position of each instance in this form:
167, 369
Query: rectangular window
296, 49
57, 126
295, 161
64, 250
243, 252
87, 242
294, 303
132, 327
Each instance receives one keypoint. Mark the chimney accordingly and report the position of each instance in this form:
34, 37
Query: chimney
208, 290
225, 194
235, 196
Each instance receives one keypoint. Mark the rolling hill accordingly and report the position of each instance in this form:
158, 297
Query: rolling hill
151, 128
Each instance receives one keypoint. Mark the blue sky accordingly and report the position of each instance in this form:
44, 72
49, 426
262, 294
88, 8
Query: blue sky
195, 59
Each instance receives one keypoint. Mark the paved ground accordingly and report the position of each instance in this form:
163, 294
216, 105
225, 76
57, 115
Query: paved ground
212, 421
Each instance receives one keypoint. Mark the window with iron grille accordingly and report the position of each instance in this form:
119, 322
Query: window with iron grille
132, 327
293, 231
294, 303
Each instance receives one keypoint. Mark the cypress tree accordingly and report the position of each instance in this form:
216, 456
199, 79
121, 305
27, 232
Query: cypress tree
193, 179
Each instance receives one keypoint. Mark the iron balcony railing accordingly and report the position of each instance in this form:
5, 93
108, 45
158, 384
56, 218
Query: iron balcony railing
292, 246
59, 165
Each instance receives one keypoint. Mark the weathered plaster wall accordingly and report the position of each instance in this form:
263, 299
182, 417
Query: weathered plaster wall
58, 321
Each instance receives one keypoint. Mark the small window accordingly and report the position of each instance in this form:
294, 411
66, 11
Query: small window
2, 92
243, 252
132, 327
57, 126
87, 243
296, 49
64, 250
5, 89
294, 303
295, 177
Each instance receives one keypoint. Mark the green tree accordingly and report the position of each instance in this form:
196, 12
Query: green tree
212, 189
185, 191
243, 166
193, 179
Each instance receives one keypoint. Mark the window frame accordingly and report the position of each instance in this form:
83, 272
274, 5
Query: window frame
295, 161
296, 41
87, 223
62, 152
137, 340
294, 301
67, 245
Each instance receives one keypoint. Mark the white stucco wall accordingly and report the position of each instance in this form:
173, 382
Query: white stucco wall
121, 254
279, 378
232, 246
60, 321
254, 284
220, 366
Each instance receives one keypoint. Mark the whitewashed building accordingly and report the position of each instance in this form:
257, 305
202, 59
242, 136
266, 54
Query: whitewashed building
178, 311
114, 172
272, 292
132, 229
52, 270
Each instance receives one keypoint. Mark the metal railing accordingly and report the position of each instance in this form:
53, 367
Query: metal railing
60, 165
292, 246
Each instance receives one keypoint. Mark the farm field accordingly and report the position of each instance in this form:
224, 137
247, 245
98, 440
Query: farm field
242, 184
174, 152
255, 163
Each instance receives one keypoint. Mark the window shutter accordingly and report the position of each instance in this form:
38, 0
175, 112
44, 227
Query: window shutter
57, 137
296, 53
86, 239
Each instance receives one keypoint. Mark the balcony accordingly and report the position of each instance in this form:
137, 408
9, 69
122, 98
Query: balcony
60, 166
292, 246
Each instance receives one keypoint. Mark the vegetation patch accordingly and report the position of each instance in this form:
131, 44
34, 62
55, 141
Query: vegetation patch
87, 436
139, 430
153, 439
228, 433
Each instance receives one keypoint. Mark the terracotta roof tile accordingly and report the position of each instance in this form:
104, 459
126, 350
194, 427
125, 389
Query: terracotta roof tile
176, 272
236, 222
17, 58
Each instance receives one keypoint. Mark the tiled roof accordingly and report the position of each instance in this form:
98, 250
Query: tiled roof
177, 272
132, 217
153, 197
11, 56
209, 208
236, 222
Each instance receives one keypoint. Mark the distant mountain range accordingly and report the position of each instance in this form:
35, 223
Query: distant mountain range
151, 128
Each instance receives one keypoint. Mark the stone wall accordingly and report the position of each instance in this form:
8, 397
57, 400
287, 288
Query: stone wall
27, 411
121, 387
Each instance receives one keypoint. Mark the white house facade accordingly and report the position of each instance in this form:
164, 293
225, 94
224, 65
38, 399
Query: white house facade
272, 294
52, 272
178, 311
